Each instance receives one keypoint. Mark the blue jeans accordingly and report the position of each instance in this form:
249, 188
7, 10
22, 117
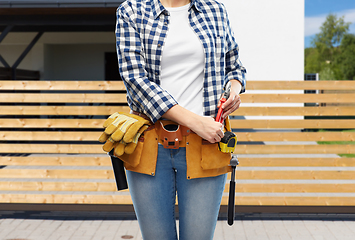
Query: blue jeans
154, 199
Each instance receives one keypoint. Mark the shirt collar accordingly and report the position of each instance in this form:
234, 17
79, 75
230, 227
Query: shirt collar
158, 8
196, 4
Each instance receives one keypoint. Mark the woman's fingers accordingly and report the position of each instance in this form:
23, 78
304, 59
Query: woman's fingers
209, 129
231, 105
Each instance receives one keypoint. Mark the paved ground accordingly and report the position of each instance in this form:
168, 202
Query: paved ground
21, 225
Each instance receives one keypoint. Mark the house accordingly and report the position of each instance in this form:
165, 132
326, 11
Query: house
59, 40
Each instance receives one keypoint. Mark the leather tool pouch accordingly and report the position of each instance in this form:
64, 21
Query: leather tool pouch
144, 158
171, 133
212, 158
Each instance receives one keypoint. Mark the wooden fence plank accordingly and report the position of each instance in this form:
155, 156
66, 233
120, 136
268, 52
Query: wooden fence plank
61, 85
242, 111
118, 85
296, 136
55, 161
241, 149
294, 175
242, 174
50, 123
66, 198
62, 110
63, 98
295, 111
121, 98
300, 85
297, 98
291, 201
295, 149
292, 188
284, 124
241, 124
242, 136
52, 148
57, 173
58, 186
241, 187
47, 135
126, 199
296, 162
243, 161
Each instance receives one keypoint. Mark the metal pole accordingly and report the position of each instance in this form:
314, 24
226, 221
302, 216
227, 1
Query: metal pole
231, 203
2, 36
5, 32
23, 55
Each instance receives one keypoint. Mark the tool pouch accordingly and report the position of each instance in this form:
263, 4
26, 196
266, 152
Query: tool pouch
170, 133
212, 157
143, 159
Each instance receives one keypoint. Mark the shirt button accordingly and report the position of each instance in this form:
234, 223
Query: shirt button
166, 23
156, 73
159, 45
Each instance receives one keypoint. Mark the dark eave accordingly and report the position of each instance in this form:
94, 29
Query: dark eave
58, 16
59, 4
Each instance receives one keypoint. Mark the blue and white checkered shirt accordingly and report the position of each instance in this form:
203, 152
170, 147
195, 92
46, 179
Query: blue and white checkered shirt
141, 29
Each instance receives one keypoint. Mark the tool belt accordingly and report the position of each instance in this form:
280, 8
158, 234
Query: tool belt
203, 158
170, 134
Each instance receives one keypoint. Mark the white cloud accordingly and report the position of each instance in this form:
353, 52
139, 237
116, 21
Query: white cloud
312, 24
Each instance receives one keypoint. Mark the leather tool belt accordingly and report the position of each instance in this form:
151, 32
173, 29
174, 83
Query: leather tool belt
171, 135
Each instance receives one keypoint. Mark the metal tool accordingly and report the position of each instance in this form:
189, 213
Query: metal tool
229, 140
227, 145
231, 201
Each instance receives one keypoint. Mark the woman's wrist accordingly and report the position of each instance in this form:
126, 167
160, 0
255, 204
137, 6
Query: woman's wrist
181, 116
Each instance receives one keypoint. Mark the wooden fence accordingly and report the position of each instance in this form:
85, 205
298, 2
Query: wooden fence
50, 154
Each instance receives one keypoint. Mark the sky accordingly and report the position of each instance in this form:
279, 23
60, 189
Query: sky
316, 12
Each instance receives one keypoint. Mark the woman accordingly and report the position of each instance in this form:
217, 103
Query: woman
175, 57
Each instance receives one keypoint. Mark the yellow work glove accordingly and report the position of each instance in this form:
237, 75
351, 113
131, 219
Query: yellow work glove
118, 121
119, 148
126, 127
122, 132
109, 145
129, 149
110, 119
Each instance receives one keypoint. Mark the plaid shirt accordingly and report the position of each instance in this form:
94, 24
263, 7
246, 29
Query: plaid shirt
141, 28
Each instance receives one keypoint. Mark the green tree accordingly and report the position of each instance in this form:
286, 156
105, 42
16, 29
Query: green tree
330, 36
311, 61
324, 56
346, 58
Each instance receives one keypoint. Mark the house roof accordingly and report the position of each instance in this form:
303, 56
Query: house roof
58, 3
58, 16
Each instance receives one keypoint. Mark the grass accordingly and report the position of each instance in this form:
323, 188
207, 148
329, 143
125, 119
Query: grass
340, 142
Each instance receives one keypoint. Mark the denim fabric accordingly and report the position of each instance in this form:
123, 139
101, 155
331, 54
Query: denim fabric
154, 199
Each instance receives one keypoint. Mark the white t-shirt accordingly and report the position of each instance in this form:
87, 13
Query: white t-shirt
183, 61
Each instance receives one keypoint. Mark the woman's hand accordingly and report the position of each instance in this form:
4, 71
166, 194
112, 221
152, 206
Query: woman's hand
233, 102
205, 127
208, 129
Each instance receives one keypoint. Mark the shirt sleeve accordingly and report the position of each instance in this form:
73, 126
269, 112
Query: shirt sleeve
234, 67
145, 95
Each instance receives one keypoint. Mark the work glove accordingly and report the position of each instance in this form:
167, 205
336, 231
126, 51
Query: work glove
128, 148
125, 127
122, 132
110, 119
